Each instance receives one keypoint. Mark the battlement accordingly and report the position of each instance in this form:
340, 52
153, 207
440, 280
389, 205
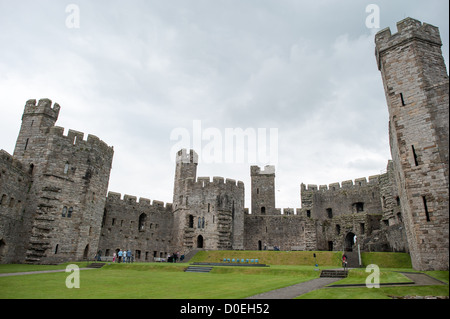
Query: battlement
77, 138
349, 184
408, 29
184, 157
142, 202
268, 170
204, 182
44, 107
12, 162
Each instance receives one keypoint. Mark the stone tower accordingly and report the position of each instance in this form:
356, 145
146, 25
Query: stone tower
263, 190
416, 87
207, 214
66, 194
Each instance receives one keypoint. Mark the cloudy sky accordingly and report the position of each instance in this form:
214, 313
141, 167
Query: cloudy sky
135, 73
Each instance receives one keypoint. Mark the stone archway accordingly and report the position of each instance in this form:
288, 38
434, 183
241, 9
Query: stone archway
200, 241
349, 241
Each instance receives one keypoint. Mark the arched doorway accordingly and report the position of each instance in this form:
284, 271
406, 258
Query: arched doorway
200, 241
259, 245
349, 241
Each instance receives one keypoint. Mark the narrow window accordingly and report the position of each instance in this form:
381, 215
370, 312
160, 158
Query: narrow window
203, 222
66, 167
30, 171
191, 221
338, 229
113, 221
329, 213
308, 213
209, 207
425, 206
402, 99
263, 210
56, 249
26, 143
3, 200
64, 211
32, 122
69, 213
415, 155
257, 191
362, 228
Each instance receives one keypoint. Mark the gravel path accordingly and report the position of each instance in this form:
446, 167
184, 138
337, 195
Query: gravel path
295, 290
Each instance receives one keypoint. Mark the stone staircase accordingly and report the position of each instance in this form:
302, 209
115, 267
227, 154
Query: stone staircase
191, 254
198, 269
95, 265
333, 273
352, 259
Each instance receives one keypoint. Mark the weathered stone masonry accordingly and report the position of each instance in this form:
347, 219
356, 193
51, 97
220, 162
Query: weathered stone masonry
54, 205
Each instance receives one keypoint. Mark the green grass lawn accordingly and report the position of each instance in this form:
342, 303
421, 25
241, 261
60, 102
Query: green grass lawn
155, 281
169, 281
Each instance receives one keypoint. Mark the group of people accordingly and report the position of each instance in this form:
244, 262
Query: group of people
174, 257
124, 256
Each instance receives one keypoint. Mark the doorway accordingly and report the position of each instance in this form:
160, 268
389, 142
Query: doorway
349, 241
200, 241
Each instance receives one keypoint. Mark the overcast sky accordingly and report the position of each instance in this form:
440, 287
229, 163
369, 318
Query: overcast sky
133, 72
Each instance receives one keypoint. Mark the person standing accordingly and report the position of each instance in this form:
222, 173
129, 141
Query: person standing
129, 256
119, 254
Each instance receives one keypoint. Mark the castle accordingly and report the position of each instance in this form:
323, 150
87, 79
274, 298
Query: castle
55, 205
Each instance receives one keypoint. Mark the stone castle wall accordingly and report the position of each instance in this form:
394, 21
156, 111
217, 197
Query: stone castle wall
54, 205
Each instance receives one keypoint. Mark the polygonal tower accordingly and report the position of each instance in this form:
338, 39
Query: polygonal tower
263, 190
416, 87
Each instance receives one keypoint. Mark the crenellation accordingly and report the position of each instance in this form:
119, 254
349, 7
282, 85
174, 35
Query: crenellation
55, 205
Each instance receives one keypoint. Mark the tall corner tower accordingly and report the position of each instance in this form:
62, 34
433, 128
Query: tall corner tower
417, 92
186, 167
263, 190
36, 120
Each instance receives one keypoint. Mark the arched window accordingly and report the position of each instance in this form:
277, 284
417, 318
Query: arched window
64, 211
142, 220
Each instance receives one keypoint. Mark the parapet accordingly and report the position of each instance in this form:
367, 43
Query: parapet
184, 157
43, 107
204, 182
408, 29
142, 202
359, 182
76, 138
256, 170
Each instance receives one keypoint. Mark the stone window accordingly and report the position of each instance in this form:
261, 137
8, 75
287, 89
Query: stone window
66, 168
338, 229
362, 228
358, 207
3, 200
191, 221
263, 210
308, 213
69, 213
425, 206
329, 213
64, 211
402, 99
416, 160
56, 249
142, 221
